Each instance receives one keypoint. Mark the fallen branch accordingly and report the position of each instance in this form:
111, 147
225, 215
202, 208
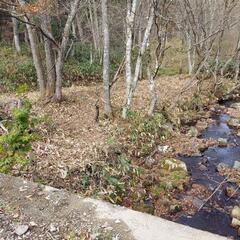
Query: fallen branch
118, 72
219, 186
233, 193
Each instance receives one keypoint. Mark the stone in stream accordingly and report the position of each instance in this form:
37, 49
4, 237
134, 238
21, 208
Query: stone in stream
235, 106
236, 165
234, 122
221, 167
202, 167
235, 213
21, 229
197, 203
235, 223
222, 142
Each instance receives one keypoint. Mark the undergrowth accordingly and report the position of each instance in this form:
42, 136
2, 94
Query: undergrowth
15, 144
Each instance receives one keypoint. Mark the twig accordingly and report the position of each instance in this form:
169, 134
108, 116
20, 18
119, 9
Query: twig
4, 129
50, 235
219, 186
233, 193
119, 70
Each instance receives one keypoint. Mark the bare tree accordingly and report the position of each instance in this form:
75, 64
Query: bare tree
132, 82
16, 35
62, 49
35, 52
106, 85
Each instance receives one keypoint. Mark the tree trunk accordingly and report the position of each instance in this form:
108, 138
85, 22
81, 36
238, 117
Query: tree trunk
106, 85
16, 35
93, 27
36, 54
62, 49
79, 26
50, 59
153, 94
142, 50
131, 9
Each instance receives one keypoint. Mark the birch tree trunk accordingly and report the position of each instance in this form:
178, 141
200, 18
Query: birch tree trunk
142, 50
92, 26
62, 49
237, 68
16, 35
131, 9
106, 84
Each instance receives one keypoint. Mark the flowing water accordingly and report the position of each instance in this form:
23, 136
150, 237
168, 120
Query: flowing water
211, 218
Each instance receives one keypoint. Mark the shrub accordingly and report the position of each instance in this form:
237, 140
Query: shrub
16, 143
15, 70
145, 132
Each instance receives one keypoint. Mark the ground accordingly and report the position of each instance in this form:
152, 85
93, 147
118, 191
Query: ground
72, 144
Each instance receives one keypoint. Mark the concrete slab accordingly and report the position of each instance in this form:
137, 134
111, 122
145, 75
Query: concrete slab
69, 212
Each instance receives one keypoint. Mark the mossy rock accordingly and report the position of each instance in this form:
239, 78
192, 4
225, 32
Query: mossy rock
172, 164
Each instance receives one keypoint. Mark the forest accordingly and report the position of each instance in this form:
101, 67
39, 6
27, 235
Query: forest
132, 102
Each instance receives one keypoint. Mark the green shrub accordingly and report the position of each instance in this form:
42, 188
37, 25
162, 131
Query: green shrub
16, 143
145, 132
15, 70
74, 71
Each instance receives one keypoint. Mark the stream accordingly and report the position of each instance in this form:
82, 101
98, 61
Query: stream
214, 215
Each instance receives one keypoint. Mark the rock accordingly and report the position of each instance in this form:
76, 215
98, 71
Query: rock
50, 189
63, 170
117, 221
52, 228
235, 213
105, 225
234, 122
150, 161
235, 222
197, 203
221, 167
164, 149
63, 173
173, 164
33, 224
175, 208
236, 165
235, 106
193, 132
205, 160
203, 167
21, 229
222, 142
